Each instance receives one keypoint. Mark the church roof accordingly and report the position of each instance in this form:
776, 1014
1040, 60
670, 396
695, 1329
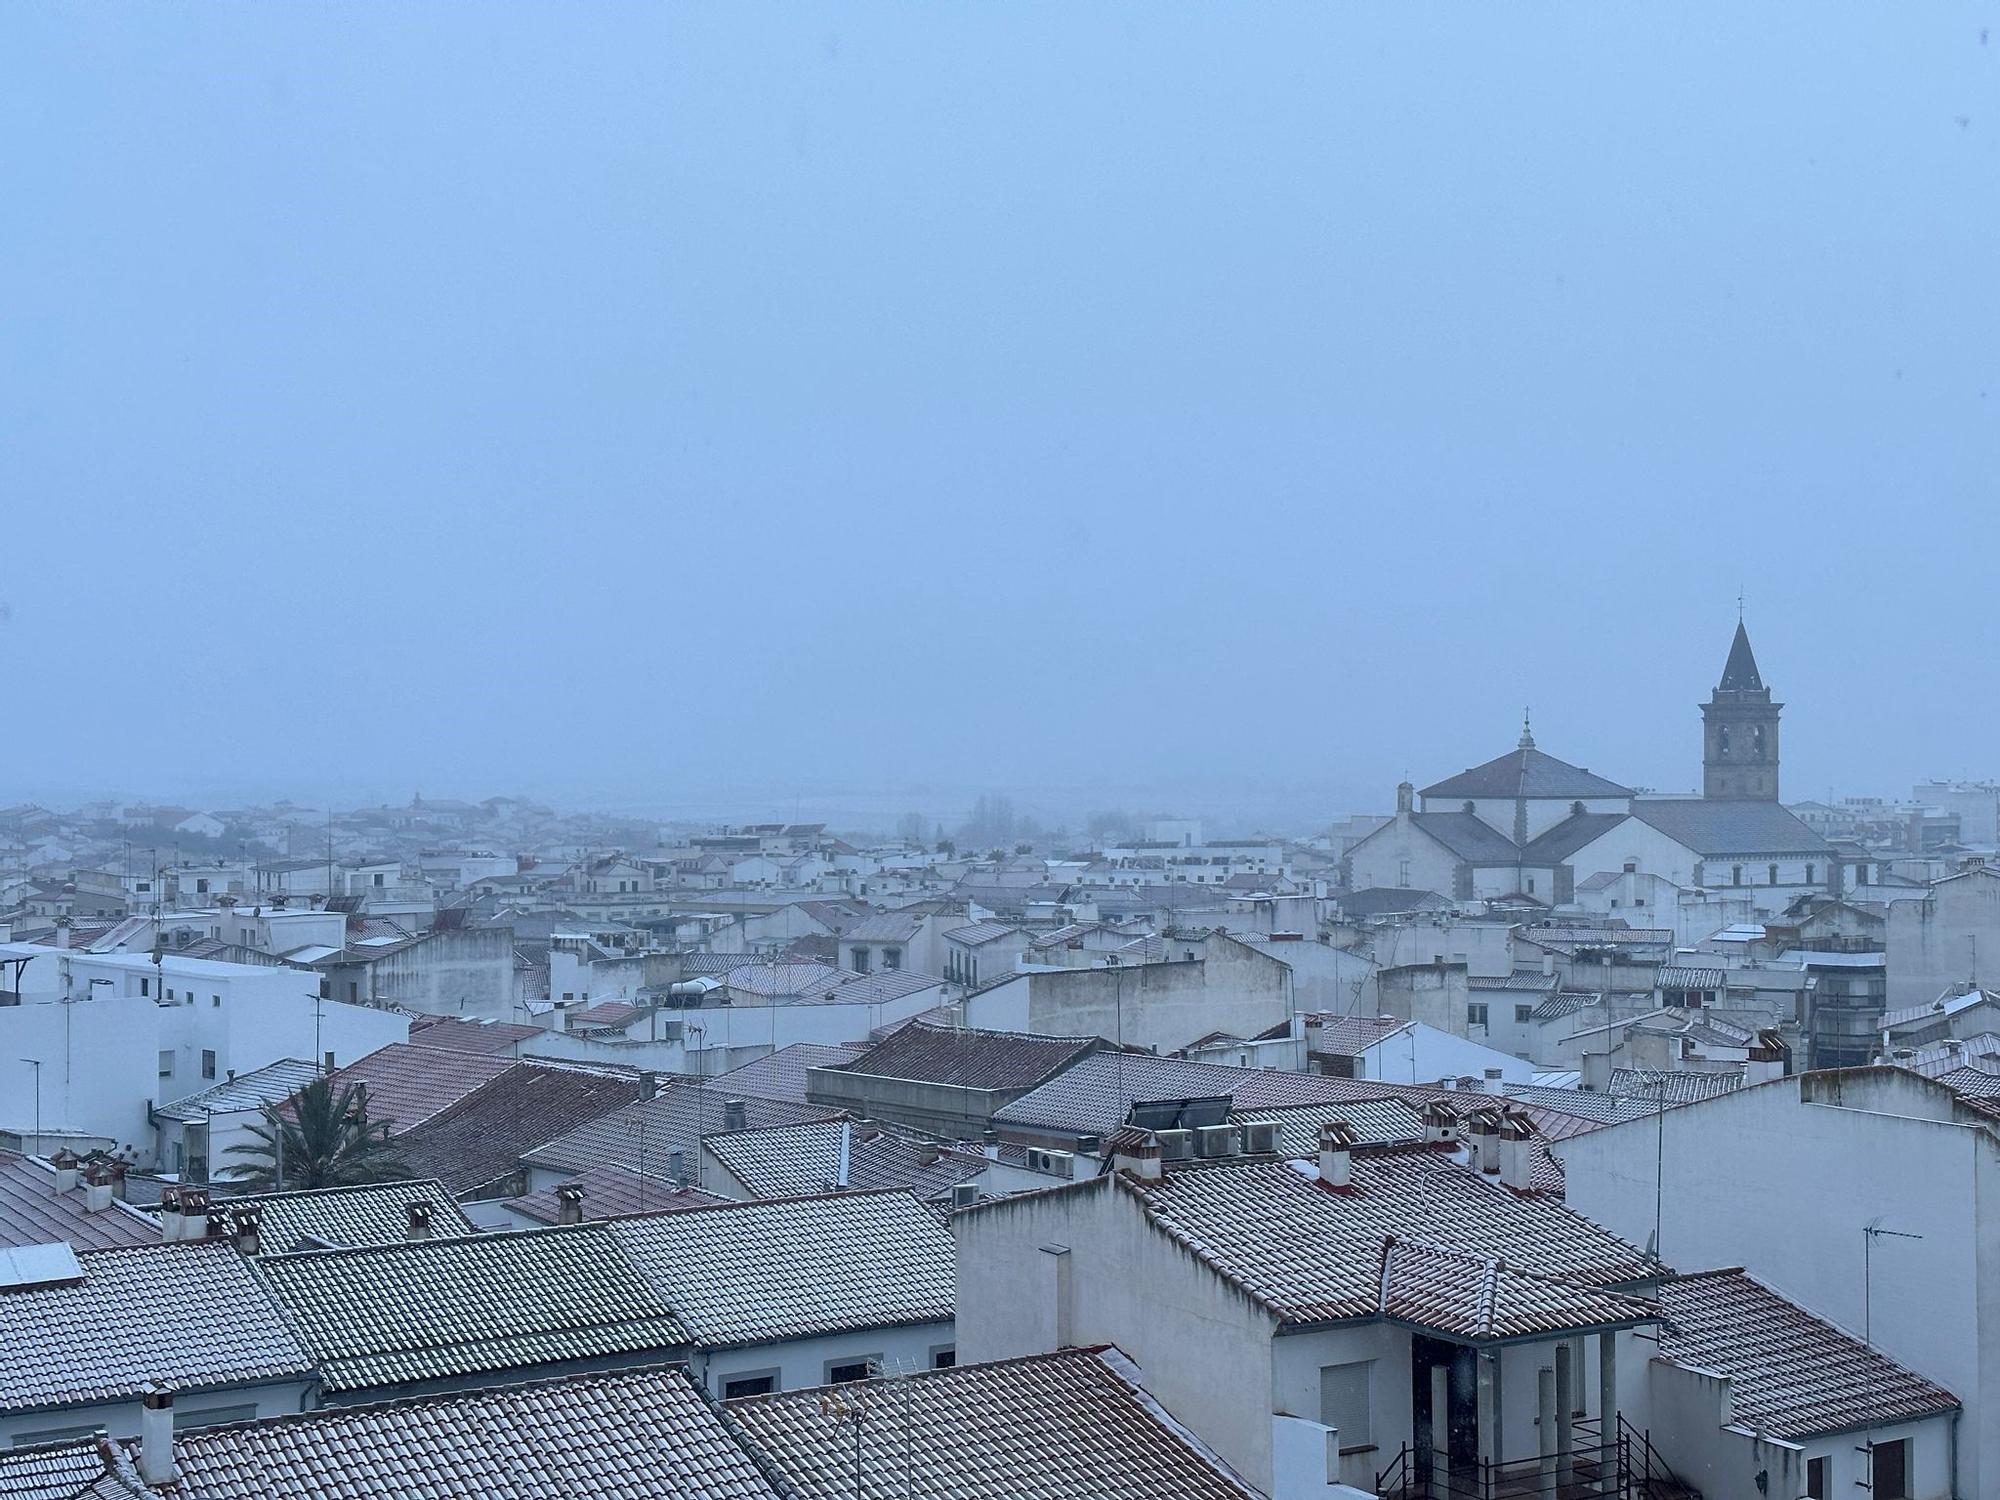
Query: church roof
1468, 836
1716, 826
1526, 772
1739, 674
1560, 842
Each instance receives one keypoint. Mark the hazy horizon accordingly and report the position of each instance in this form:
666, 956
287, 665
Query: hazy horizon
858, 405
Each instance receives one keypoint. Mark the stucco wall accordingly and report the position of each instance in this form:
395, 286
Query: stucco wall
1204, 1348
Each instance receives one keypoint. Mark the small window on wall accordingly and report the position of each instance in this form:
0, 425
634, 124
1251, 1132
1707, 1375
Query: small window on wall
1816, 1479
1523, 1014
843, 1372
1774, 875
1475, 1013
761, 1384
944, 1357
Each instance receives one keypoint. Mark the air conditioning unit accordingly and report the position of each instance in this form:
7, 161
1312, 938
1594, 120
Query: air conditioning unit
1175, 1145
1217, 1140
1260, 1136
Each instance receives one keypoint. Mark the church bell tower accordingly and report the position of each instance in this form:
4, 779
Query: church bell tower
1740, 730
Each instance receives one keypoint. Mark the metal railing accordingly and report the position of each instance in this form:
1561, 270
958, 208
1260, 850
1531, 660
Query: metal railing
1628, 1468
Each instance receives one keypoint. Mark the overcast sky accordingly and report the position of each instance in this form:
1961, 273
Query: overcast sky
680, 401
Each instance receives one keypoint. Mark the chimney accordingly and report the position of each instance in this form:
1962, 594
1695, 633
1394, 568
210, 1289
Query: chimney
194, 1214
420, 1222
1595, 1073
65, 1161
1406, 795
118, 1169
62, 932
156, 1434
96, 1190
1548, 965
735, 1115
1494, 1082
846, 1159
989, 1145
1336, 1155
569, 1203
1482, 1128
1440, 1123
170, 1213
1138, 1152
677, 1166
246, 1228
1517, 1152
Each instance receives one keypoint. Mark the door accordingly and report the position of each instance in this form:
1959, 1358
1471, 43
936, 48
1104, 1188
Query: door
1889, 1470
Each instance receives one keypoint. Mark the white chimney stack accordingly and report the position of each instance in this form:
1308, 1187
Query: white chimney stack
1440, 1123
1548, 966
1336, 1155
1495, 1081
65, 1161
419, 1222
62, 932
569, 1203
846, 1162
96, 1191
156, 1434
1517, 1152
735, 1115
1484, 1128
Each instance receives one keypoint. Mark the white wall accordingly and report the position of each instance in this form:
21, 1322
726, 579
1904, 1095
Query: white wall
1129, 1286
802, 1363
1783, 1188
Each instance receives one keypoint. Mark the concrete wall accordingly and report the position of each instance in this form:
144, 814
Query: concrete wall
1434, 994
1125, 1284
1802, 1178
1940, 942
801, 1364
1163, 1006
120, 1419
469, 972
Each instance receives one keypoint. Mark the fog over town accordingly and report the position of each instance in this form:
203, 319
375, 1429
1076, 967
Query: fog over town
842, 751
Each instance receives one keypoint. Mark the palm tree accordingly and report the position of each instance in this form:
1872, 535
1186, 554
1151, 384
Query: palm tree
327, 1141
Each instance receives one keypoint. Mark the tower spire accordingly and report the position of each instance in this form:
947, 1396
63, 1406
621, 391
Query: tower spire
1527, 741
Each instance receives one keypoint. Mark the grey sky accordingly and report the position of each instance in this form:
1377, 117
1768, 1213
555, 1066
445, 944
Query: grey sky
617, 401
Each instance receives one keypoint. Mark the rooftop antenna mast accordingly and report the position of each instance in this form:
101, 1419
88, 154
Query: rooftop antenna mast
1870, 1233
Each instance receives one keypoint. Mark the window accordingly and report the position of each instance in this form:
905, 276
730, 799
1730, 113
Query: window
1816, 1479
1736, 874
943, 1357
1889, 1470
1523, 1014
892, 958
353, 989
762, 1383
1346, 1404
378, 877
861, 960
207, 1063
329, 1062
1531, 885
841, 1371
1774, 875
167, 1064
215, 1002
213, 1416
1475, 1013
1809, 874
145, 987
170, 994
1402, 874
